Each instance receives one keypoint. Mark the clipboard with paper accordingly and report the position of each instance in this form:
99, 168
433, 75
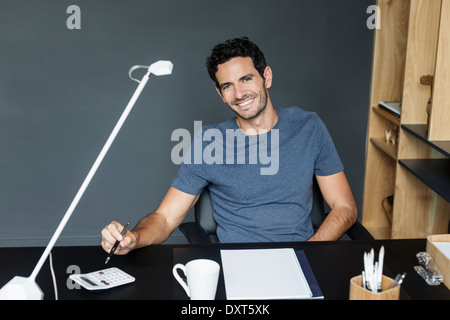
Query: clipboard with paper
268, 274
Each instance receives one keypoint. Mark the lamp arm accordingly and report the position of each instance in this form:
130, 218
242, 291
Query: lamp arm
90, 175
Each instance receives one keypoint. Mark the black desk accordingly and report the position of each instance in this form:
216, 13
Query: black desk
333, 264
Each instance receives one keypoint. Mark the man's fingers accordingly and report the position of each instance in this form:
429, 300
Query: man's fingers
110, 234
115, 229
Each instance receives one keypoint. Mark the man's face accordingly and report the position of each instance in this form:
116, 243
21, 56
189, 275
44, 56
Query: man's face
242, 88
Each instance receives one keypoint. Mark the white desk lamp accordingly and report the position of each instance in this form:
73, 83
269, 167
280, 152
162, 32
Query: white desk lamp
21, 288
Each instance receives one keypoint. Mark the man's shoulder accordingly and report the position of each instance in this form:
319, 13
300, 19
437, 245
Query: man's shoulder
297, 115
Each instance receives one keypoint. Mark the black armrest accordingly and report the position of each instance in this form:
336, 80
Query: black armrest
194, 233
359, 232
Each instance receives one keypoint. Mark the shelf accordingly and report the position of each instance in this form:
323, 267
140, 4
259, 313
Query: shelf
420, 132
389, 149
386, 115
435, 173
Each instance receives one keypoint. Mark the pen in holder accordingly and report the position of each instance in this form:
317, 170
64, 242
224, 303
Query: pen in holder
358, 292
372, 284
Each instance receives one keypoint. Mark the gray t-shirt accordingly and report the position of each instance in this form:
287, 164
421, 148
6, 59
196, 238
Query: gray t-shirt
261, 185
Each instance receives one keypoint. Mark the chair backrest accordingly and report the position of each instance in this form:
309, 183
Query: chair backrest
204, 215
318, 208
204, 212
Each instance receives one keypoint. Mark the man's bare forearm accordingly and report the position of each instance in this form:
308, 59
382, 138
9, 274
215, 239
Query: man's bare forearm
337, 222
152, 229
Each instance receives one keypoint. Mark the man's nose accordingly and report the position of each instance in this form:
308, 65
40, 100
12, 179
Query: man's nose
240, 92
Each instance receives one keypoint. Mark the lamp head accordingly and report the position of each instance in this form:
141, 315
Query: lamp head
161, 68
20, 288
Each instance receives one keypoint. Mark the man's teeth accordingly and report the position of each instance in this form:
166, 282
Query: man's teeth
246, 103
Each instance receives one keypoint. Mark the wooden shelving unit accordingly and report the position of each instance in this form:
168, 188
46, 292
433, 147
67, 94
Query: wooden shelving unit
414, 41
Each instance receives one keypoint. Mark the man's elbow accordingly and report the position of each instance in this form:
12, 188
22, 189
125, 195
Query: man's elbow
352, 214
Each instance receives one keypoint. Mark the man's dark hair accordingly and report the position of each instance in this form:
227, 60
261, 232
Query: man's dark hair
239, 47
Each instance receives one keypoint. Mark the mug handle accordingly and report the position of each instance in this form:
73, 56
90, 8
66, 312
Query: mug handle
181, 281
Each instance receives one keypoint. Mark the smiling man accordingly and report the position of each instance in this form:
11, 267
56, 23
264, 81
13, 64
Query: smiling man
249, 206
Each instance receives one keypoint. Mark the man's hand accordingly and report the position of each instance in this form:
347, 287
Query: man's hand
155, 228
111, 233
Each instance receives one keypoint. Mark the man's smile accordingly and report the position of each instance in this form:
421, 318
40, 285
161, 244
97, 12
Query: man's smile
245, 103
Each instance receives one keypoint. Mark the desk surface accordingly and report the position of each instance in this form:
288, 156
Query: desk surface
333, 264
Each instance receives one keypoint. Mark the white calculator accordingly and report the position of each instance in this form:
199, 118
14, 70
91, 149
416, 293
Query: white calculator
102, 279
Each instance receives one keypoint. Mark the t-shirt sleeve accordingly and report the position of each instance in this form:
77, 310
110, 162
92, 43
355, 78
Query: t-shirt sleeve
191, 176
327, 161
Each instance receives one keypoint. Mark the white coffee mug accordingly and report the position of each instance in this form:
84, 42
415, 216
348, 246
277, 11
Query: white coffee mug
202, 277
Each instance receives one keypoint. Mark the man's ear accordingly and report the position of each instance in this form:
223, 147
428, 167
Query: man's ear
268, 76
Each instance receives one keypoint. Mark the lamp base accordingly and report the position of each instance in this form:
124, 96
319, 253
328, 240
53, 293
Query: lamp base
21, 288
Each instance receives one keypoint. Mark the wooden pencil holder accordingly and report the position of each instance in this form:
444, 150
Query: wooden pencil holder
357, 292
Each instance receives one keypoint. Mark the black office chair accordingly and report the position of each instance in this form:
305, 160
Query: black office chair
203, 230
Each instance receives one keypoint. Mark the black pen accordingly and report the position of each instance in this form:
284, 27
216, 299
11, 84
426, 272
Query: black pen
123, 233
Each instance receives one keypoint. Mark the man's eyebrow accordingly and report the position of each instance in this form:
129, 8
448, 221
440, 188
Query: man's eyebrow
247, 76
221, 85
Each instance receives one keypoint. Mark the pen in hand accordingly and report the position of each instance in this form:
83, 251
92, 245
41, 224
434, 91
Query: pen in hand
116, 244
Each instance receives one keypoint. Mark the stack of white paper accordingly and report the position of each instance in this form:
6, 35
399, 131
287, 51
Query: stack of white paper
263, 274
444, 247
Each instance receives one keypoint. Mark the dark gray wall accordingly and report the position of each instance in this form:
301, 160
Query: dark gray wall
62, 91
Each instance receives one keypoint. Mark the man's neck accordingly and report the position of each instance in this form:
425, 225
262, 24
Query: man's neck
264, 122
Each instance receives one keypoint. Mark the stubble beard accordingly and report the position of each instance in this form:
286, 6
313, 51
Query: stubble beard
261, 107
